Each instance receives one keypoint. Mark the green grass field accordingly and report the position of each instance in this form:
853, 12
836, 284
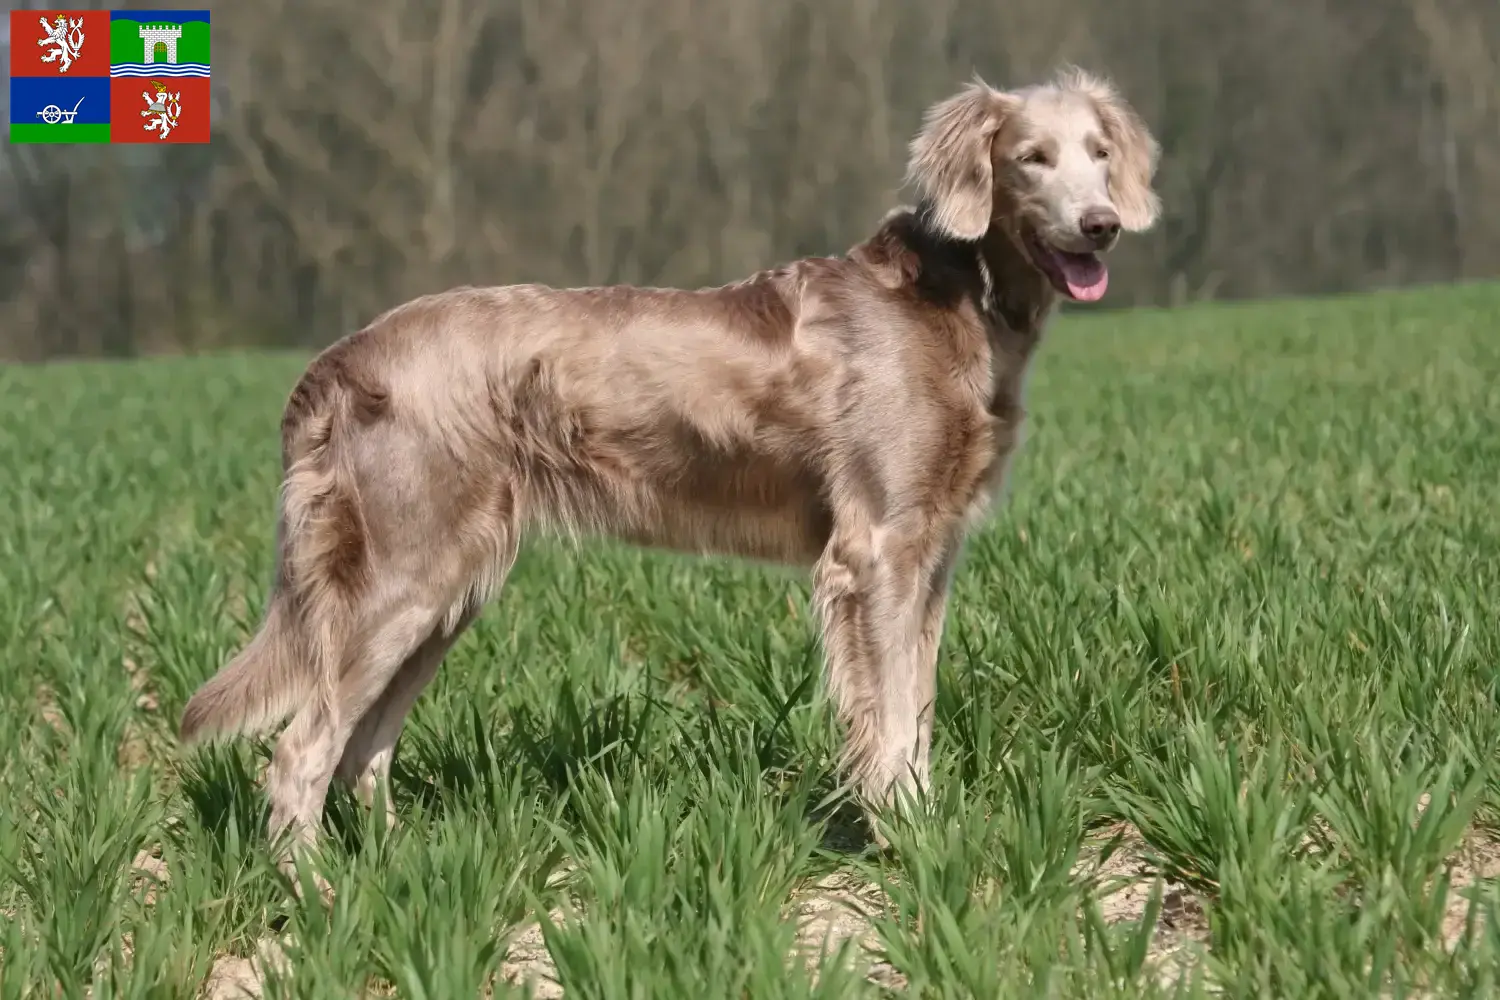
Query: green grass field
1218, 707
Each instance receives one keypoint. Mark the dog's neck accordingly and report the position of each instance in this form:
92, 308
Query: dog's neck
993, 274
1018, 295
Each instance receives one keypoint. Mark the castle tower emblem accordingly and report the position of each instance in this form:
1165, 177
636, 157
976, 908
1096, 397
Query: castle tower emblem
161, 40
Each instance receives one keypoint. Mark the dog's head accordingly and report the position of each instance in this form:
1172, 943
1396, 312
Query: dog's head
1060, 168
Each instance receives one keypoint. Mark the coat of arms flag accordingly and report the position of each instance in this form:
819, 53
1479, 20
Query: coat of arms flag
109, 76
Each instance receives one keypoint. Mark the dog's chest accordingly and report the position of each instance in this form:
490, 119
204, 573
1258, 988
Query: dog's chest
998, 405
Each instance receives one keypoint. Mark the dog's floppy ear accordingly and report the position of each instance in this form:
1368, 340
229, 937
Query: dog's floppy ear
950, 159
1135, 151
1134, 165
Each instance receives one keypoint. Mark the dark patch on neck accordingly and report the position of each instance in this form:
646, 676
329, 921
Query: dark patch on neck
991, 272
940, 270
1020, 294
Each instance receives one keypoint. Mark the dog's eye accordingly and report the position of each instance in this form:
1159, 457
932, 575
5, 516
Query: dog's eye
1101, 153
1035, 157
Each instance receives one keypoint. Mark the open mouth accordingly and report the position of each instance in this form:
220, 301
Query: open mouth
1080, 276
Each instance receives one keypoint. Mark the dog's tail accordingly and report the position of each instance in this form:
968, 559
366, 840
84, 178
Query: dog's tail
323, 563
257, 688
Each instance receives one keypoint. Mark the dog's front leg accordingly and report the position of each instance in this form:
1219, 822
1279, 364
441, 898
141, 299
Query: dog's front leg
934, 613
877, 606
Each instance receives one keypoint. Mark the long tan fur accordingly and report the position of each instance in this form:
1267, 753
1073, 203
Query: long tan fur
853, 415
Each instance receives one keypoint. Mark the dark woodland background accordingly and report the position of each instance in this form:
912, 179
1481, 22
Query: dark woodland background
368, 151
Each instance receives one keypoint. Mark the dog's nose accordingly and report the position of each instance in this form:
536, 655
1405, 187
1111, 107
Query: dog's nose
1100, 225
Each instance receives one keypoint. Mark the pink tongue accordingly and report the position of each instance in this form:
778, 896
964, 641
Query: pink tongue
1086, 275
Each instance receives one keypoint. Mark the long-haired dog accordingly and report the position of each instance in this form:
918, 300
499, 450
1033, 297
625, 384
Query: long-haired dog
854, 415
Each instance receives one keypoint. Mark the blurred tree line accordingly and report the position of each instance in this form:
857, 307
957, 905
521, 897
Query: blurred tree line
368, 151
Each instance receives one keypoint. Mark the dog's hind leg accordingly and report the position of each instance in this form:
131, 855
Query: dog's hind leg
366, 763
389, 551
309, 750
352, 728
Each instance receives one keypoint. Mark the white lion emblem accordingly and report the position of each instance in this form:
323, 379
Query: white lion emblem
165, 106
66, 36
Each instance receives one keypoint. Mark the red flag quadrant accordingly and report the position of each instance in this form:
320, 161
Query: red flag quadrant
180, 105
41, 45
